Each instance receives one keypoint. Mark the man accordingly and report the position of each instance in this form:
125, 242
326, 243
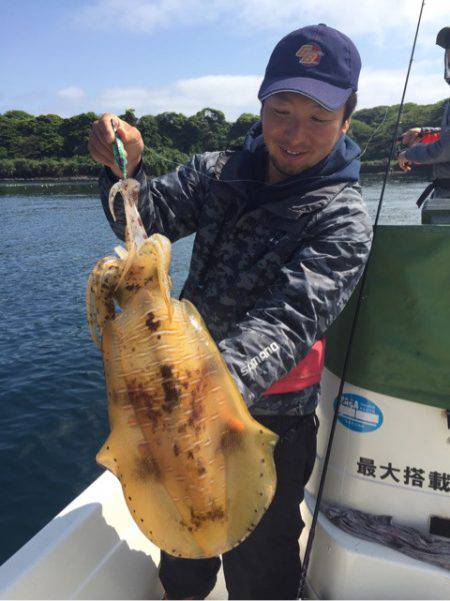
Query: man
281, 240
437, 153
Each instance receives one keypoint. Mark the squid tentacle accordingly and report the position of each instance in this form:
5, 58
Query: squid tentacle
135, 233
102, 284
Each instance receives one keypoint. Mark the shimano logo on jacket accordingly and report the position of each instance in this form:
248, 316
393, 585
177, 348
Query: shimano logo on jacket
259, 358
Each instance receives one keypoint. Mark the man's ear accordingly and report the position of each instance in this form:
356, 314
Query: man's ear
346, 125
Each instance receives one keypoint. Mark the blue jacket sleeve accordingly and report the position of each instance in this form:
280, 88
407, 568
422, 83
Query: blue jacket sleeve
296, 311
436, 152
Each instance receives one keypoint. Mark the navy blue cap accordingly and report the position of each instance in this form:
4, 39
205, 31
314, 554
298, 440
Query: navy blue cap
316, 61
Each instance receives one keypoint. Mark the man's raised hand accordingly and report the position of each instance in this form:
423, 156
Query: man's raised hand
102, 137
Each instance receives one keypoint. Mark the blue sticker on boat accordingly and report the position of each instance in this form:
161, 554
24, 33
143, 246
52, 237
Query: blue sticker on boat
358, 413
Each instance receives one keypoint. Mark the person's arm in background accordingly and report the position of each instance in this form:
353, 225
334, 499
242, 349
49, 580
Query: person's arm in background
428, 154
435, 152
413, 135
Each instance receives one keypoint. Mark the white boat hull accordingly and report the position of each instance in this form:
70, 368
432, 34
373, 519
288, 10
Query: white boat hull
345, 566
91, 550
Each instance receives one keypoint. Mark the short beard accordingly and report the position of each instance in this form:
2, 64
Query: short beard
274, 164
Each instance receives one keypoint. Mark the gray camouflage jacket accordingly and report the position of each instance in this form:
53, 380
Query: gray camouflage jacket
267, 281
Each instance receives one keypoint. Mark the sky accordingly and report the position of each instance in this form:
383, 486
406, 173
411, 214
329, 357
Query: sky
70, 56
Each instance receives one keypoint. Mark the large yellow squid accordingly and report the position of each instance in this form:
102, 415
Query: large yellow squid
197, 471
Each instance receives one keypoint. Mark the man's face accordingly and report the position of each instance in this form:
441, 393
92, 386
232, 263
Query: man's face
298, 133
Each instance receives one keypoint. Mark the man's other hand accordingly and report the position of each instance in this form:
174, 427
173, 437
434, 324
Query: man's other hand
101, 140
405, 165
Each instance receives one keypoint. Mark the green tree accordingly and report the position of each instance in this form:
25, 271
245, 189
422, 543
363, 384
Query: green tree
360, 132
50, 146
175, 131
129, 116
148, 126
17, 115
158, 162
15, 128
75, 131
214, 129
240, 127
7, 168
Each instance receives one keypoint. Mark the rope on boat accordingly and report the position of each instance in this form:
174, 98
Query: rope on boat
352, 331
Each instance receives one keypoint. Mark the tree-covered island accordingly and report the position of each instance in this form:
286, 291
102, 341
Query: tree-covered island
51, 146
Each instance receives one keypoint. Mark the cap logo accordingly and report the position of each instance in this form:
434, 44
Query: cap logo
309, 54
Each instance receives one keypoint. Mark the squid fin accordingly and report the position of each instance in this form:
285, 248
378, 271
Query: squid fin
104, 457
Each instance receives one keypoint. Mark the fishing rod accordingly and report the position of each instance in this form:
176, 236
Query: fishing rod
312, 530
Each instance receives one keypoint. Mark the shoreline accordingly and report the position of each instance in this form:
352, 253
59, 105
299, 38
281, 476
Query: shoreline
68, 178
93, 180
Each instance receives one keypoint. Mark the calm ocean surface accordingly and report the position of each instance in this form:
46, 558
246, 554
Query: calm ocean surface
52, 393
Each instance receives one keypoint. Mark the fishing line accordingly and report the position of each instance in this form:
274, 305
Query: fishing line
311, 534
374, 132
230, 181
263, 184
